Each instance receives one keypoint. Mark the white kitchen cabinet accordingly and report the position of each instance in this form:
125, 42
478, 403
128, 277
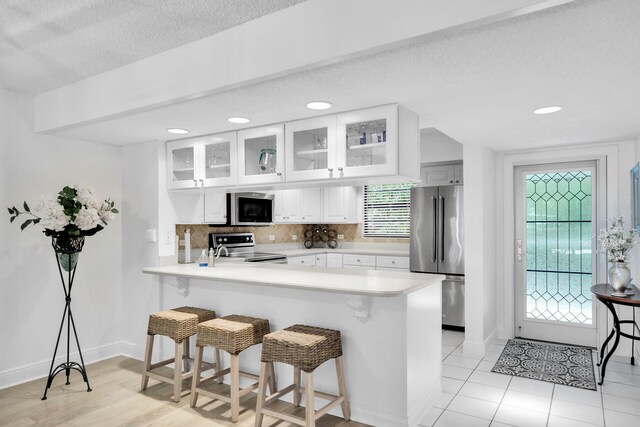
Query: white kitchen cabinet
356, 261
321, 260
215, 208
205, 161
334, 260
199, 207
442, 175
362, 143
340, 205
310, 148
261, 155
298, 206
398, 263
302, 260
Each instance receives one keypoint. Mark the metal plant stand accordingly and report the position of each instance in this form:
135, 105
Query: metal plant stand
67, 251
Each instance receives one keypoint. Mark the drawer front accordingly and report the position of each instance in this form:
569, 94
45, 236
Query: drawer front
363, 260
392, 261
302, 260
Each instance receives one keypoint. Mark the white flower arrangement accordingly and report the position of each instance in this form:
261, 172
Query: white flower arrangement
74, 211
614, 241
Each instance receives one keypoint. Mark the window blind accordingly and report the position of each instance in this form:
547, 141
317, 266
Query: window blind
386, 210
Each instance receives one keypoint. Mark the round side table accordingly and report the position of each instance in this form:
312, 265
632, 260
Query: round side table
604, 293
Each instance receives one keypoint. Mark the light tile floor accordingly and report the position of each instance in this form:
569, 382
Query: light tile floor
472, 395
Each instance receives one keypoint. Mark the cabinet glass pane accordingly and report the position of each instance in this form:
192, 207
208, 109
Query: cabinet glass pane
310, 149
367, 143
260, 155
183, 164
217, 160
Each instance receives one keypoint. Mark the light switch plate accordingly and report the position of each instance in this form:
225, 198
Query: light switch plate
340, 236
272, 237
294, 237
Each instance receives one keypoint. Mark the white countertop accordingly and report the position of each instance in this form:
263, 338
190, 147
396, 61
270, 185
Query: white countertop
359, 251
336, 280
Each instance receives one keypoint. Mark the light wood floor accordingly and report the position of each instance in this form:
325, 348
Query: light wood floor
116, 400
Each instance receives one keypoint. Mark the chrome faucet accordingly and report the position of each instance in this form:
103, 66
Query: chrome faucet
219, 249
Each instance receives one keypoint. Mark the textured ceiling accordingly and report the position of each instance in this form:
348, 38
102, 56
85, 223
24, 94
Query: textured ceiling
45, 44
476, 86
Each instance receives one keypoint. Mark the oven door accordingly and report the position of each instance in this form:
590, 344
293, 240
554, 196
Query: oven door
252, 209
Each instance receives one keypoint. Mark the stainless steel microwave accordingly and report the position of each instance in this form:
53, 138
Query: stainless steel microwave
250, 208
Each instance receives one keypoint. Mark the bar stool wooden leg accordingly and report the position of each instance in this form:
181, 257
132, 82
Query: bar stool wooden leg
197, 370
297, 395
310, 409
342, 387
261, 397
273, 387
216, 354
177, 373
235, 387
185, 352
148, 352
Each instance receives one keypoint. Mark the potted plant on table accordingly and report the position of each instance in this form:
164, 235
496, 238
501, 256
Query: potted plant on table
617, 244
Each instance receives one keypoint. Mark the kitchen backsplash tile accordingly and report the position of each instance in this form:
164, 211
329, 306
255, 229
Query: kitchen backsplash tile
282, 233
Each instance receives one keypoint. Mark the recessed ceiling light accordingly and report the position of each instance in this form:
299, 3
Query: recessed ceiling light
319, 105
238, 120
177, 131
547, 110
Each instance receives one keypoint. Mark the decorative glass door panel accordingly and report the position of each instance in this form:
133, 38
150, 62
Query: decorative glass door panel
260, 155
368, 142
220, 159
310, 147
557, 250
181, 161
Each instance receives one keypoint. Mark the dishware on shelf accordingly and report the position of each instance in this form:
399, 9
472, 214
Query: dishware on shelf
267, 160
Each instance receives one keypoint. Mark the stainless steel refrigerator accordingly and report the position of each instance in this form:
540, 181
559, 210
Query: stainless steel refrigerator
437, 239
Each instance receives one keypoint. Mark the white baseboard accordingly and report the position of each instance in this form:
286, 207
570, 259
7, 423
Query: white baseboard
476, 348
422, 408
37, 370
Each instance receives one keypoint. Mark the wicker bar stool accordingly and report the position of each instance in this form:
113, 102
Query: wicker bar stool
178, 324
233, 334
306, 348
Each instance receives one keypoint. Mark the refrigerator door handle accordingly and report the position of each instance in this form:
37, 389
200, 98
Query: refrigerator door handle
441, 229
435, 229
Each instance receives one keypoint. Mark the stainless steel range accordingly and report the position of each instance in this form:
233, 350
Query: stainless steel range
242, 245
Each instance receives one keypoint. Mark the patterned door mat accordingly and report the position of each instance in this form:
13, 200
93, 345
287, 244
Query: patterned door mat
554, 363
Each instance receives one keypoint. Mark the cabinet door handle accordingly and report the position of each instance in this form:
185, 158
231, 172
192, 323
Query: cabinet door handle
457, 181
393, 262
279, 173
302, 262
450, 182
340, 169
195, 182
330, 169
202, 183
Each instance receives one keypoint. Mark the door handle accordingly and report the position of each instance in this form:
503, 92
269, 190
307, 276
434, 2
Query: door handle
519, 250
434, 258
441, 229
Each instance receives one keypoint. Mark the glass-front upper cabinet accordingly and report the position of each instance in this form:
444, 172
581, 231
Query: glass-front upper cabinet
204, 161
367, 142
309, 147
261, 155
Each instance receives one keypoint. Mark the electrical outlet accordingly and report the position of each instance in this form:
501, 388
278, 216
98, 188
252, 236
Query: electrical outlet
340, 236
272, 237
294, 237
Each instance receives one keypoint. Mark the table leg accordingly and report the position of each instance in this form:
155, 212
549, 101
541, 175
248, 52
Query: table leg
616, 325
604, 346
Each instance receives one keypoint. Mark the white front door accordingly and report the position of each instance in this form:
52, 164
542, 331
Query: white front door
556, 222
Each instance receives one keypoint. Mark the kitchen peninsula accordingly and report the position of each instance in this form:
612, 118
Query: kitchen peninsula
390, 324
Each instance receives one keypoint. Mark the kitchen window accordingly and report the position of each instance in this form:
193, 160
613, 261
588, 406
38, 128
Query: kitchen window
386, 210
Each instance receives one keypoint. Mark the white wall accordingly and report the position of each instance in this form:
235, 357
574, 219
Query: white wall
435, 147
479, 251
31, 295
140, 166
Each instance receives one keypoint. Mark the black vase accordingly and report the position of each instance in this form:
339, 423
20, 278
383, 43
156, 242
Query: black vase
68, 250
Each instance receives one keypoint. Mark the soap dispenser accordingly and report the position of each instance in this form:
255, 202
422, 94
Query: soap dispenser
212, 260
202, 261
